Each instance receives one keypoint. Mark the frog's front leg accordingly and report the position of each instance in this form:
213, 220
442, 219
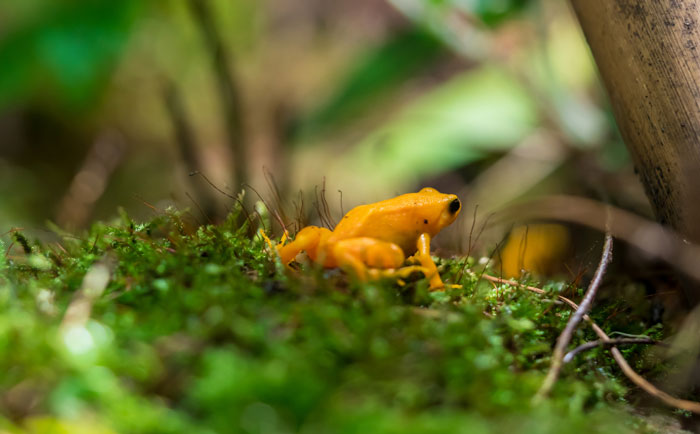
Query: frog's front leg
426, 261
308, 240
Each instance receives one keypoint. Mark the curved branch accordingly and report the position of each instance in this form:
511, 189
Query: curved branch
575, 320
647, 54
630, 373
612, 342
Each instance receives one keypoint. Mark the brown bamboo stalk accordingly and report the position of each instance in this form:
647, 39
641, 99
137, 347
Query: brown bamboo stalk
648, 54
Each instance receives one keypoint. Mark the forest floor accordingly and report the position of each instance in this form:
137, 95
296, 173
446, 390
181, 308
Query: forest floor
168, 326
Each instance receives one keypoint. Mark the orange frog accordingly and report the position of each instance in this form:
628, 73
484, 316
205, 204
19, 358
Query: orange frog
374, 240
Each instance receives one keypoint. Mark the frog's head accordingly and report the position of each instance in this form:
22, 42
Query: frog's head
439, 210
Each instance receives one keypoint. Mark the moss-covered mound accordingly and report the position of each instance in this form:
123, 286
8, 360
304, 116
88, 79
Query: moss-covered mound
199, 330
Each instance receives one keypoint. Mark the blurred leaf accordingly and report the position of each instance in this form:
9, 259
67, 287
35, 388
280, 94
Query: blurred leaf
564, 71
376, 73
471, 115
538, 248
494, 12
51, 425
491, 12
65, 53
242, 22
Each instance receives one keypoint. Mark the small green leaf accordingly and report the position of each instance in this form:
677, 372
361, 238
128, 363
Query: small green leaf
470, 116
377, 72
65, 53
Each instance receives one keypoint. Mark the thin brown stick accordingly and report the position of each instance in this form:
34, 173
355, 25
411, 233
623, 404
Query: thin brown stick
11, 231
483, 272
9, 248
147, 204
478, 235
91, 179
276, 195
229, 89
342, 211
471, 230
575, 320
270, 209
187, 146
230, 196
323, 218
612, 342
299, 213
201, 211
617, 355
94, 283
326, 208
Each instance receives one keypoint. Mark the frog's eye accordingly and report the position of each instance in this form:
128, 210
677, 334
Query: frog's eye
454, 206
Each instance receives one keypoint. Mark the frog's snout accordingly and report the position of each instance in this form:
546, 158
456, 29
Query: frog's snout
454, 206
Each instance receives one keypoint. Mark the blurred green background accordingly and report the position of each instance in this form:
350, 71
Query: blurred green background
106, 104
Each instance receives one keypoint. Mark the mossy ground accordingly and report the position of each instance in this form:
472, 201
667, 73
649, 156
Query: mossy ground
199, 330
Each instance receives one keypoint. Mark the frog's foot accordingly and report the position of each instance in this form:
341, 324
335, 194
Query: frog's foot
445, 286
267, 240
422, 257
413, 260
398, 273
283, 240
370, 258
403, 273
274, 248
308, 240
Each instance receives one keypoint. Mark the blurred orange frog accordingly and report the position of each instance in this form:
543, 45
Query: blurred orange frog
374, 240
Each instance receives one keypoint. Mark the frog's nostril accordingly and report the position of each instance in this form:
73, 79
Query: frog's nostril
454, 206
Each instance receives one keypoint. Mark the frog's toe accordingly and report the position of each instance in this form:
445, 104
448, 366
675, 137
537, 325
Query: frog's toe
442, 286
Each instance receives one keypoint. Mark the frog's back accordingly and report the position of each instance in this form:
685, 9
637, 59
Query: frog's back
354, 223
389, 220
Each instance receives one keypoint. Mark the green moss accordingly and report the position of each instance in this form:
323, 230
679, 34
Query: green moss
199, 330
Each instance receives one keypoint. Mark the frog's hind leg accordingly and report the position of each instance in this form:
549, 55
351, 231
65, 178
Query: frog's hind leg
308, 240
365, 255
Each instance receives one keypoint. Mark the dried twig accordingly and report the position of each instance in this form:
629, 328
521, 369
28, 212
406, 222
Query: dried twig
617, 355
575, 320
276, 195
12, 230
612, 342
92, 178
201, 210
230, 196
187, 146
229, 92
94, 284
326, 208
270, 209
342, 211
